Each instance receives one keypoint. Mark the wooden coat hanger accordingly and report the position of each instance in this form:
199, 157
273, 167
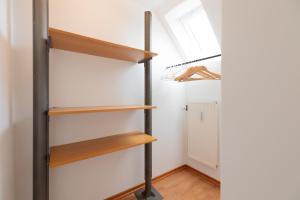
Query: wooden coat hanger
199, 70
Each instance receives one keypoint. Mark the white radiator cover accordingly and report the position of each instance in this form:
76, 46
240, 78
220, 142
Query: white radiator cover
203, 137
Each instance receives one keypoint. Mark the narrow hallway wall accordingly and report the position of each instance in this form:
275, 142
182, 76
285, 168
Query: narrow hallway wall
260, 124
22, 96
6, 126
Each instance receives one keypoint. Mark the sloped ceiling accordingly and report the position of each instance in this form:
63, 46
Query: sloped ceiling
153, 4
213, 9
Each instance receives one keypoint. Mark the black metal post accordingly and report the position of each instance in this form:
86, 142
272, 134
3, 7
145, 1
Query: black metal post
148, 113
149, 193
40, 100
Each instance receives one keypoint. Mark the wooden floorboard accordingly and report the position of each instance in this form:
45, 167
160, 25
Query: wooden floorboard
185, 185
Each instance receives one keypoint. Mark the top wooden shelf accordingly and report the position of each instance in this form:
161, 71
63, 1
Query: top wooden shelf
87, 45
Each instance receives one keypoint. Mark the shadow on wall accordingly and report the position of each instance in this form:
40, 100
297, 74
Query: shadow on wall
6, 132
6, 163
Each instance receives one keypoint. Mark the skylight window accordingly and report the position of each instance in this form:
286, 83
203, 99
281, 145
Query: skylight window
192, 31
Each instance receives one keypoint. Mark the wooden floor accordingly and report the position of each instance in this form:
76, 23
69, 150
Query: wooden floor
185, 185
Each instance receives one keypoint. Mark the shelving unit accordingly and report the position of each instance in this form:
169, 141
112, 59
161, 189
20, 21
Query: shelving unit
94, 109
45, 157
68, 153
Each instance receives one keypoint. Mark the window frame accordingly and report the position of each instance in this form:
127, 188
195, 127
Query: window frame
170, 17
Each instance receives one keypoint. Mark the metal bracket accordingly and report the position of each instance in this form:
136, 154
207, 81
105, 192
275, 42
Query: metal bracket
144, 60
49, 42
48, 159
186, 107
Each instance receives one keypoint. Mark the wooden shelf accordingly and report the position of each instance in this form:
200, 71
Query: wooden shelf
94, 109
68, 153
82, 44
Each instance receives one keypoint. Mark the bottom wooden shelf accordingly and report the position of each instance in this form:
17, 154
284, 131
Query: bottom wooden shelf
68, 153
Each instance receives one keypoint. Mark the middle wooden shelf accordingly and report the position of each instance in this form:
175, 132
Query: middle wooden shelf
68, 153
93, 109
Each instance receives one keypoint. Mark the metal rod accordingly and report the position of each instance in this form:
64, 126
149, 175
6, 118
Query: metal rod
193, 61
40, 101
148, 113
149, 192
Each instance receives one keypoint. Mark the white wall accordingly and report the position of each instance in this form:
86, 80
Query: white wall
23, 95
260, 136
205, 91
78, 80
6, 127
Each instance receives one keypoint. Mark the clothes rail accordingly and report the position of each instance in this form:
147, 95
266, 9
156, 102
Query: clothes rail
193, 61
